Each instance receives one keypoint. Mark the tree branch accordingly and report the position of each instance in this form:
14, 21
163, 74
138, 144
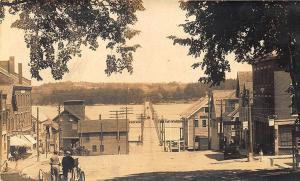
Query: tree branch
16, 2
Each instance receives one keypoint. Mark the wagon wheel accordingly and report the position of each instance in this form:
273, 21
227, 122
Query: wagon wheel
73, 177
41, 175
81, 176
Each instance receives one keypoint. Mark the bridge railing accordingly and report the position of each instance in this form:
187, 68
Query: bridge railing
156, 121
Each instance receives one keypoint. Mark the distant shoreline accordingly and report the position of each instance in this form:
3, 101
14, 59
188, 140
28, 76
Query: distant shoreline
160, 103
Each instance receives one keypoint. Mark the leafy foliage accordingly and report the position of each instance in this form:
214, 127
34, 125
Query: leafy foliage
119, 93
249, 29
56, 30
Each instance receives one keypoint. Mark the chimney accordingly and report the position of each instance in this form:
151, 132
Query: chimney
20, 72
11, 65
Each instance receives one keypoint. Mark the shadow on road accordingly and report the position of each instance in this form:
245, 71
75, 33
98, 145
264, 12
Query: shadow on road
14, 177
211, 175
216, 156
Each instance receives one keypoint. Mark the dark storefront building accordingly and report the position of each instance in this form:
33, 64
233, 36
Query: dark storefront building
272, 113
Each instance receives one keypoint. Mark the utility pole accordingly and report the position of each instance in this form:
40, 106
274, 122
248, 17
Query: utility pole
37, 134
194, 134
46, 143
221, 139
59, 129
116, 116
1, 123
209, 119
128, 111
250, 146
101, 135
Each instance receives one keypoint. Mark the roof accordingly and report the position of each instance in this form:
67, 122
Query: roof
108, 125
244, 81
71, 113
202, 102
221, 95
74, 102
14, 76
266, 57
42, 116
22, 141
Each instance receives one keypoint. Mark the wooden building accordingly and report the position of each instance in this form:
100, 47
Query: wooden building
47, 130
18, 101
105, 137
223, 102
68, 121
272, 100
244, 92
195, 125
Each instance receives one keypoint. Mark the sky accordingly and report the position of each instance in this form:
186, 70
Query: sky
157, 61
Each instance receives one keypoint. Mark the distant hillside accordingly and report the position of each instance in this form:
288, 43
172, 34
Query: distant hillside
121, 93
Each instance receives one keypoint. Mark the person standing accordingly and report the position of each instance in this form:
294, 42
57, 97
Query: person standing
54, 162
67, 164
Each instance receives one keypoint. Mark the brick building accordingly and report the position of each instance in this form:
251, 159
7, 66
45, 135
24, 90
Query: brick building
18, 100
195, 125
272, 100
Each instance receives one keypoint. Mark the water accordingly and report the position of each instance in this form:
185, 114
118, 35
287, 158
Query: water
92, 112
166, 111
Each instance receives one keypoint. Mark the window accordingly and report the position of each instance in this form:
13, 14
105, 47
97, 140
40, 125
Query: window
285, 136
204, 124
101, 148
196, 123
230, 105
94, 148
206, 109
87, 138
293, 105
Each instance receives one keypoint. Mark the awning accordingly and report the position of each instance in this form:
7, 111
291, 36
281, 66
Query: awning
30, 139
19, 142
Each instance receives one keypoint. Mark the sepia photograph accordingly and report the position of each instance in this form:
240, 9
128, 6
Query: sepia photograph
149, 90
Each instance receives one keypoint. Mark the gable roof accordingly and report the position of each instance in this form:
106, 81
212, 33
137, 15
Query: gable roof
221, 95
108, 125
71, 113
202, 102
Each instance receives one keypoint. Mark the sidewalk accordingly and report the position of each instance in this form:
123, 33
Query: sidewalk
25, 167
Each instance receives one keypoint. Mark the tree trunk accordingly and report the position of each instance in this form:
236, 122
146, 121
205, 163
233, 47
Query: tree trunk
294, 51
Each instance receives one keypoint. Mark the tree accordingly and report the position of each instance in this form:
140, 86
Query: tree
56, 30
248, 29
